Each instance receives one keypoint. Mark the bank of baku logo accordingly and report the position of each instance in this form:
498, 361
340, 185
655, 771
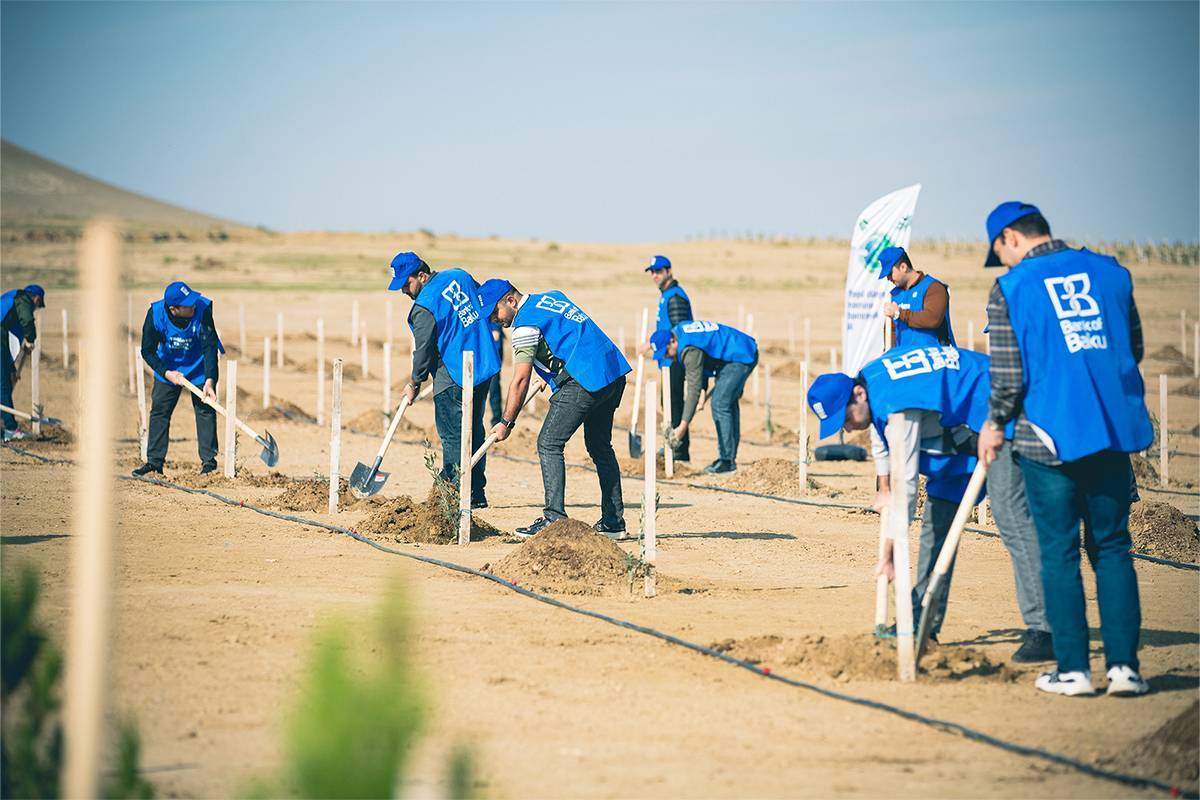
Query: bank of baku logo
1078, 312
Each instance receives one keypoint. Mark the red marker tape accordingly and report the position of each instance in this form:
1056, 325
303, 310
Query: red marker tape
766, 670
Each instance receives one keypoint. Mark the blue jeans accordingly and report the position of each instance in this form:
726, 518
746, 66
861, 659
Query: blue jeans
1094, 491
726, 407
447, 416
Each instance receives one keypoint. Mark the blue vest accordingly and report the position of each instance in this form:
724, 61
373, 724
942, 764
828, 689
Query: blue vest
452, 296
914, 300
717, 341
663, 322
182, 349
1070, 313
589, 356
6, 303
953, 383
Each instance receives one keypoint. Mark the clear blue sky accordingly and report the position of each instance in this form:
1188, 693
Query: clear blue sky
629, 122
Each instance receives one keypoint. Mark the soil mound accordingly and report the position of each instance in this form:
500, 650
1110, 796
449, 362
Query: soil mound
1162, 530
861, 657
374, 423
568, 557
216, 480
1189, 389
403, 520
1170, 752
1144, 471
790, 370
774, 476
636, 468
1168, 353
313, 496
789, 437
282, 410
52, 434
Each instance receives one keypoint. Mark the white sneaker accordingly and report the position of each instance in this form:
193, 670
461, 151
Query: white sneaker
15, 435
1124, 681
1070, 684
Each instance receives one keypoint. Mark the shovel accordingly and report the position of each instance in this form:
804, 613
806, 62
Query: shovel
491, 438
32, 417
881, 585
635, 441
270, 450
930, 606
366, 481
19, 363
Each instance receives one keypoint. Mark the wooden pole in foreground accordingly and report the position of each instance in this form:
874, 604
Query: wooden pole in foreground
1162, 431
637, 389
87, 655
649, 502
35, 386
898, 524
143, 423
242, 331
362, 342
354, 323
387, 379
668, 451
465, 448
335, 437
230, 416
266, 398
66, 344
803, 428
279, 339
320, 372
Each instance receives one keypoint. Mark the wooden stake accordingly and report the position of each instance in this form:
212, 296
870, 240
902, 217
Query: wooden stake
803, 428
35, 386
668, 451
881, 580
66, 344
637, 388
649, 502
87, 655
387, 378
1183, 337
807, 340
266, 398
230, 417
132, 368
1162, 430
320, 372
465, 448
362, 342
279, 339
354, 323
898, 524
335, 437
242, 331
143, 422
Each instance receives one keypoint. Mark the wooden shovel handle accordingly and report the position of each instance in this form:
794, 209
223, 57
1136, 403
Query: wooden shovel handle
491, 437
950, 546
16, 413
220, 409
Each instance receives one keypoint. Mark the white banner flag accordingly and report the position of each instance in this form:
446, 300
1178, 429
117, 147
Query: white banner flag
885, 223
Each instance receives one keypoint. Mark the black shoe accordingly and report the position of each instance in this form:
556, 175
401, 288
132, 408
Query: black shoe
719, 467
1035, 646
683, 457
532, 529
207, 468
478, 503
147, 469
610, 532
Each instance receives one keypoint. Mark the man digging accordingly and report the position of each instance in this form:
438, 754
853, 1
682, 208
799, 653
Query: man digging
16, 321
919, 306
586, 373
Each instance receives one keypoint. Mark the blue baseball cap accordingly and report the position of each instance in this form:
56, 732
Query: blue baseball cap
33, 288
827, 397
887, 259
657, 263
180, 294
659, 341
403, 265
1001, 217
490, 293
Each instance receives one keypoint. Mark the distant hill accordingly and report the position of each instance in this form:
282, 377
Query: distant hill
36, 191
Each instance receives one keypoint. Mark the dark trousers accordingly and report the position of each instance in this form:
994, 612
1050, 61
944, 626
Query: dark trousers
447, 415
935, 526
683, 451
1095, 491
727, 407
495, 393
6, 383
570, 407
162, 405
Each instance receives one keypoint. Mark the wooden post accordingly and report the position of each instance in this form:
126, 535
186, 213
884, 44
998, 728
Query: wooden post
89, 595
898, 524
335, 437
807, 340
143, 422
803, 428
242, 331
637, 394
320, 372
132, 367
387, 378
668, 451
279, 339
362, 342
354, 323
465, 447
791, 336
1183, 332
66, 344
266, 398
970, 334
1162, 430
649, 502
230, 416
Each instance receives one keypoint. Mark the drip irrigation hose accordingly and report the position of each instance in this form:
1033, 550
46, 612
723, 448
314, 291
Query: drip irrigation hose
946, 726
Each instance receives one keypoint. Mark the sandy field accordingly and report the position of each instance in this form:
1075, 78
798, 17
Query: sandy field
216, 605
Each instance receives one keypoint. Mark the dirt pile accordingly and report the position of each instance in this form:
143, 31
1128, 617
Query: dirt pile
1170, 752
281, 410
1160, 529
403, 520
775, 476
312, 495
790, 370
51, 435
1168, 353
568, 557
374, 423
188, 476
636, 468
860, 657
1144, 470
1189, 389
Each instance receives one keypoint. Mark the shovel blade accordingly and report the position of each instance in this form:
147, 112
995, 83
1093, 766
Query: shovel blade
365, 482
635, 445
270, 449
51, 421
928, 613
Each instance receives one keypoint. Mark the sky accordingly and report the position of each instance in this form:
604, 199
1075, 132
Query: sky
631, 122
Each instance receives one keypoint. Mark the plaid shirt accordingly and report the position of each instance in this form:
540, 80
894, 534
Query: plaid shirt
1008, 375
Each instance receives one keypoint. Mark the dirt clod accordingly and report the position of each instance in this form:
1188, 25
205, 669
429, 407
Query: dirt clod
403, 520
1160, 529
1170, 752
313, 495
213, 480
775, 476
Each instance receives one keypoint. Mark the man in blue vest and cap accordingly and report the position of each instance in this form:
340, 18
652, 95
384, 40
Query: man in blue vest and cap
939, 395
919, 306
446, 321
710, 349
674, 307
1066, 341
16, 322
586, 373
180, 343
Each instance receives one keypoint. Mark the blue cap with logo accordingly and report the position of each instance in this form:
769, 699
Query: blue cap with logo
659, 341
403, 265
827, 397
657, 263
490, 293
887, 259
180, 294
1001, 217
33, 288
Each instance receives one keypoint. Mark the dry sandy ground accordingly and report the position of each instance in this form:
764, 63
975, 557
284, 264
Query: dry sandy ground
216, 605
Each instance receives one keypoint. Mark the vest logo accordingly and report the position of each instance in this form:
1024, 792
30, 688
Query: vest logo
699, 327
1071, 296
921, 361
460, 301
563, 307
